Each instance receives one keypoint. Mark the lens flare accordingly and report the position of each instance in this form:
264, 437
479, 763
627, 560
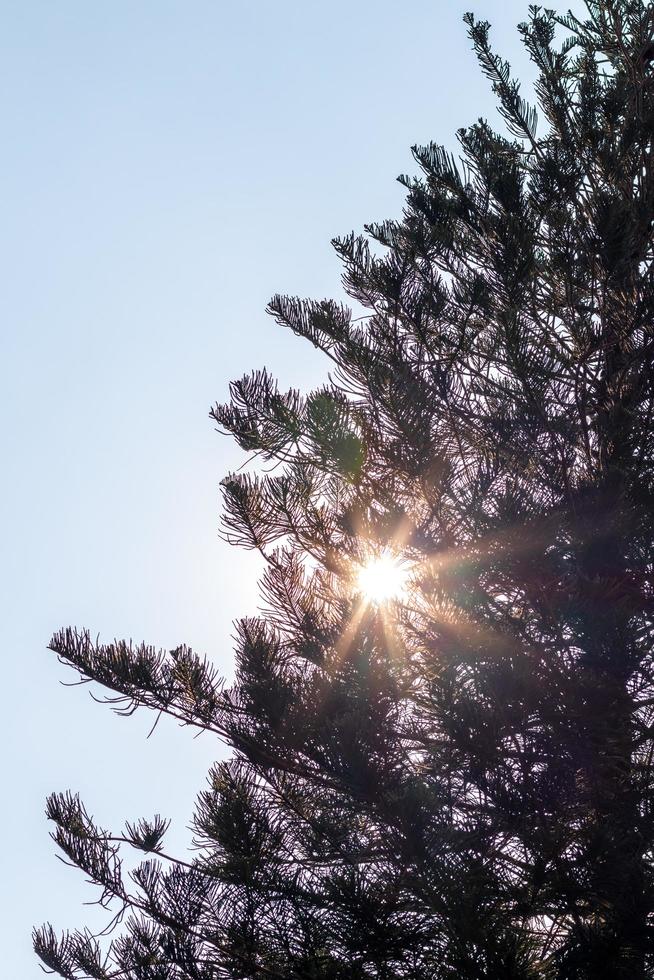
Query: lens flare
382, 579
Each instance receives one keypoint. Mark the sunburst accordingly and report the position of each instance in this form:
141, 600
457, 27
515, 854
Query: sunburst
382, 578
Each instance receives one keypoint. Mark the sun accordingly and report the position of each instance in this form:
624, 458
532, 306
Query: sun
381, 579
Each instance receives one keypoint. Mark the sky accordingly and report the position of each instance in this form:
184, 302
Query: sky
167, 166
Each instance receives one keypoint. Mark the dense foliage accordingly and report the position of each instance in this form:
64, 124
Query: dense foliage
458, 782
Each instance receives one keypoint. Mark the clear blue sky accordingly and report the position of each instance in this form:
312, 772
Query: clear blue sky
167, 165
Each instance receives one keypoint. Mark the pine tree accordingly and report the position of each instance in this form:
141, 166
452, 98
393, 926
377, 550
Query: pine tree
457, 781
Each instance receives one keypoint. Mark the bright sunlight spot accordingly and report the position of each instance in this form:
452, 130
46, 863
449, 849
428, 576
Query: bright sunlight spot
381, 579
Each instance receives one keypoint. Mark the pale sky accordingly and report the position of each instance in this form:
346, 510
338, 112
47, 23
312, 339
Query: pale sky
167, 166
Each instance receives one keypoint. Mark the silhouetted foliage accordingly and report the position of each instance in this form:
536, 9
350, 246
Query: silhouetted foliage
457, 783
